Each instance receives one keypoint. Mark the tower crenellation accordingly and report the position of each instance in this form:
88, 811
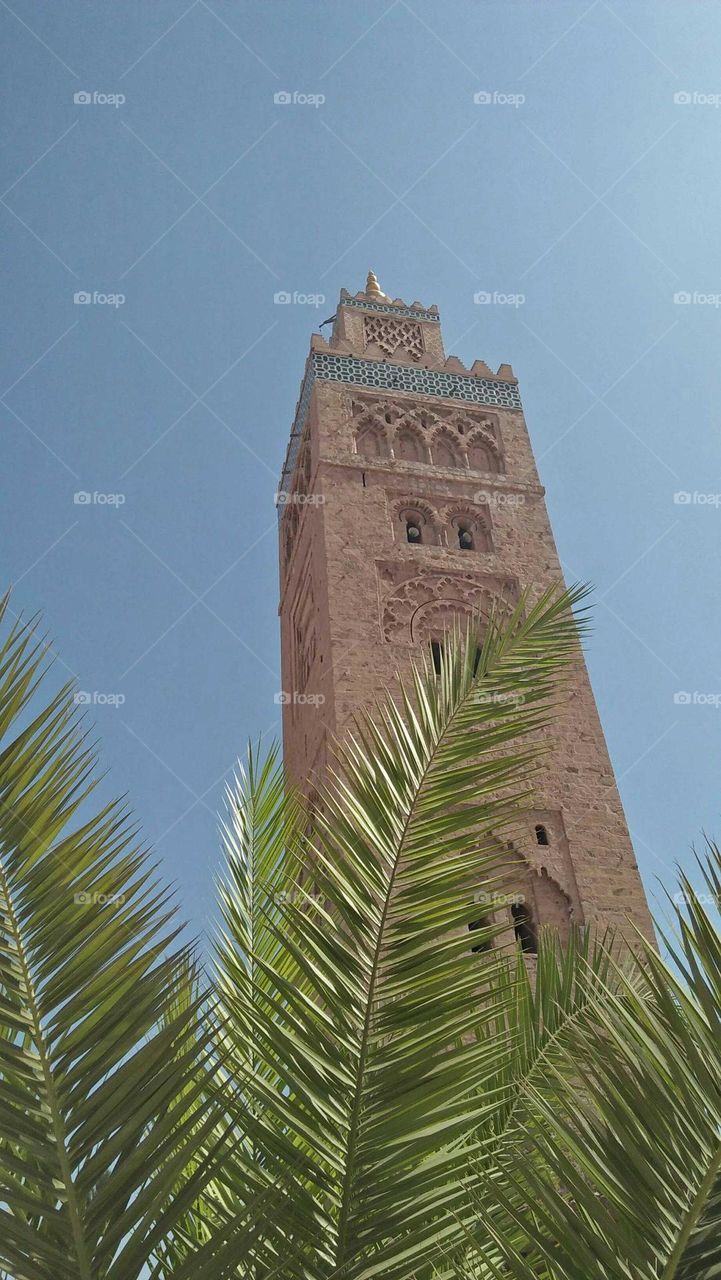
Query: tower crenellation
409, 497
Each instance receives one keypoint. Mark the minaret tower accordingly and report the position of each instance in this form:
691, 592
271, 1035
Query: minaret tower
410, 495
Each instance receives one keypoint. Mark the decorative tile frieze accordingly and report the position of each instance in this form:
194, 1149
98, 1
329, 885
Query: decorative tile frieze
415, 313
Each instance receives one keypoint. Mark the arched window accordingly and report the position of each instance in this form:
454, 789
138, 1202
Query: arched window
444, 452
408, 446
523, 927
541, 835
371, 443
414, 530
481, 456
469, 531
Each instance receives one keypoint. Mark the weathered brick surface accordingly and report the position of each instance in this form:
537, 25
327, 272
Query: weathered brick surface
357, 600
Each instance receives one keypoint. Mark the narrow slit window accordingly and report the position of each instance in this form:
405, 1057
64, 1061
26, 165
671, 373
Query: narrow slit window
437, 656
541, 834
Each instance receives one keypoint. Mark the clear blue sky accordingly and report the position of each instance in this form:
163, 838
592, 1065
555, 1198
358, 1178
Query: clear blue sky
198, 198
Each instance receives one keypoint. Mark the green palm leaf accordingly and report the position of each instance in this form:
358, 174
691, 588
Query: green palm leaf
625, 1177
96, 1053
371, 1022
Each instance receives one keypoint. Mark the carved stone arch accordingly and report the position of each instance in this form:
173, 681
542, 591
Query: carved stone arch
431, 620
408, 443
409, 503
454, 590
419, 513
371, 438
477, 523
483, 453
445, 449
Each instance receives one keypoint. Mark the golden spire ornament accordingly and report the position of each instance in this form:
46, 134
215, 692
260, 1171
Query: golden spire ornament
373, 289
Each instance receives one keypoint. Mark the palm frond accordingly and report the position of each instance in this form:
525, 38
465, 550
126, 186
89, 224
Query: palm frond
625, 1179
95, 1051
370, 1023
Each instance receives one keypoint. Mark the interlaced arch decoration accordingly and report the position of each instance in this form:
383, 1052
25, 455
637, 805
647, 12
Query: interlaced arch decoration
406, 604
408, 443
371, 440
393, 335
456, 437
445, 449
482, 451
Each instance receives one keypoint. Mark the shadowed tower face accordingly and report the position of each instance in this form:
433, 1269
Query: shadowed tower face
409, 496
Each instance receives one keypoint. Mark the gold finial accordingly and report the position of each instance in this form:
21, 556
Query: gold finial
373, 289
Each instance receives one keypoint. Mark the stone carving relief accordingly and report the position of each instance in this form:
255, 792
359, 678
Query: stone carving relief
414, 605
444, 436
393, 336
